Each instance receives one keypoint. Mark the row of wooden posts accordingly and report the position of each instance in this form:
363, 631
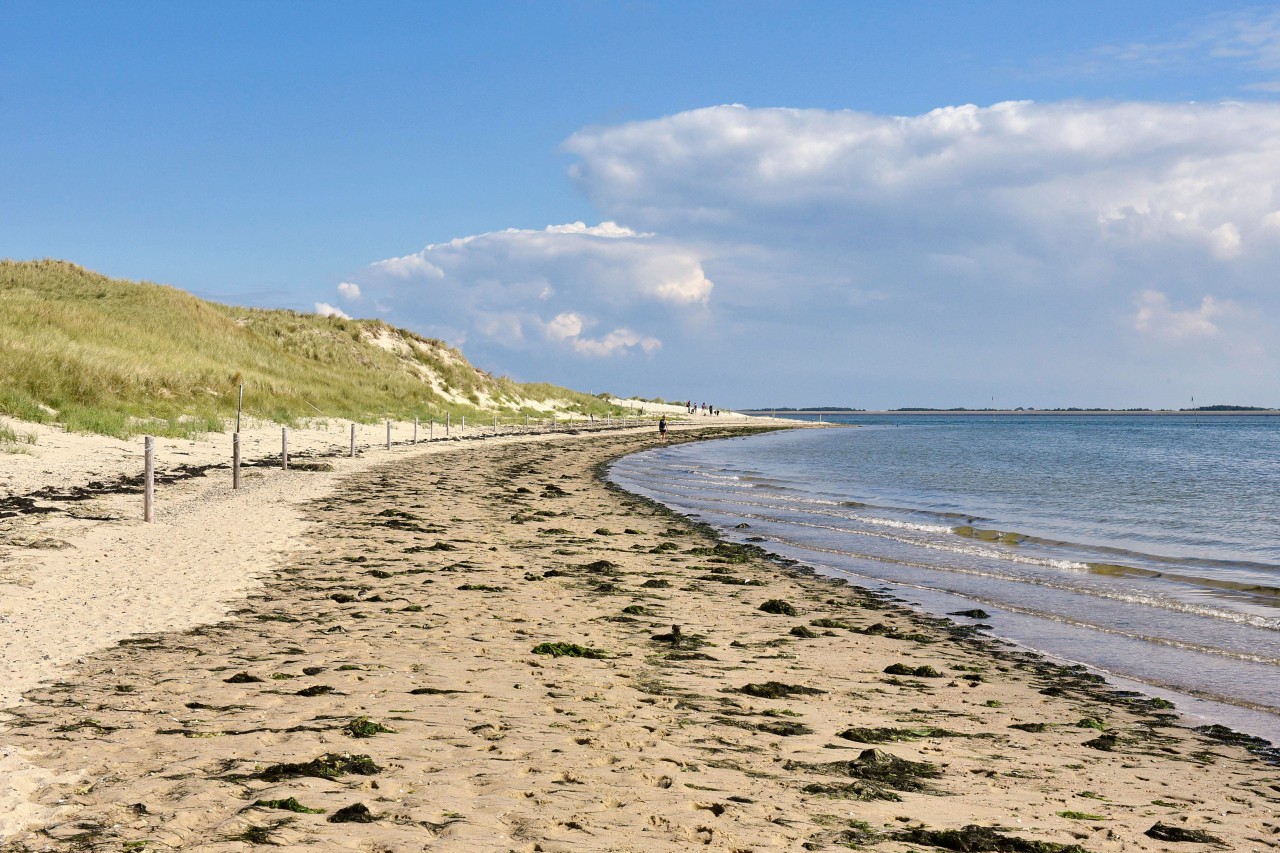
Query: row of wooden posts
148, 490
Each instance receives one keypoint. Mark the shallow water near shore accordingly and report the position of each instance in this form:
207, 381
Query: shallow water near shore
1147, 547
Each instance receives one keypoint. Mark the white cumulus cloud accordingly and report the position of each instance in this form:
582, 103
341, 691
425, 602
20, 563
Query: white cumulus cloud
324, 309
1131, 172
568, 327
1158, 318
996, 240
564, 326
349, 290
409, 266
885, 260
496, 287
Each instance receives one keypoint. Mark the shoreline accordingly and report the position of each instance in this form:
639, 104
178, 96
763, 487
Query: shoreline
1198, 710
1013, 412
951, 518
655, 744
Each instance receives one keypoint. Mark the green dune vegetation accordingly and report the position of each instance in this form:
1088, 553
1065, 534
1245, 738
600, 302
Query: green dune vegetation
119, 357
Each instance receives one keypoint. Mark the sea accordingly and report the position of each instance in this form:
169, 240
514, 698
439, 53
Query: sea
1144, 546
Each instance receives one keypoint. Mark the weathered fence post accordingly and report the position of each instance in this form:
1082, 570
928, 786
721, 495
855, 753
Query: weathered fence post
388, 435
235, 461
149, 477
431, 429
462, 426
415, 429
448, 423
284, 448
353, 440
495, 424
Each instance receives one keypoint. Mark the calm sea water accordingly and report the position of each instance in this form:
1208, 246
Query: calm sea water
1147, 547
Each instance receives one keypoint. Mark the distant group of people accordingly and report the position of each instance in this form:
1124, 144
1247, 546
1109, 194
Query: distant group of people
703, 409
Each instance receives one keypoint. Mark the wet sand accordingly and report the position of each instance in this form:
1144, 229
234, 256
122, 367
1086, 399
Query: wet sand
477, 648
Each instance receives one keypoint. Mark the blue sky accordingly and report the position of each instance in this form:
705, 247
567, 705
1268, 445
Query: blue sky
915, 204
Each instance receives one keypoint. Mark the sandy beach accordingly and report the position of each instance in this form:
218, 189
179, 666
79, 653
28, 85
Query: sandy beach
484, 646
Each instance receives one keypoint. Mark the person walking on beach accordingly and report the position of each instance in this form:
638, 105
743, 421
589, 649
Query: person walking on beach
662, 427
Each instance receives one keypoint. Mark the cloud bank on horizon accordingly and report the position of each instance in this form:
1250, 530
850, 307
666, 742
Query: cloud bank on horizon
1075, 252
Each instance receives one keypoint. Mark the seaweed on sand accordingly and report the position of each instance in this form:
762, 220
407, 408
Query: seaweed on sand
918, 671
881, 630
783, 728
860, 791
1256, 745
1166, 832
877, 767
1106, 742
364, 727
778, 690
331, 765
571, 650
291, 804
727, 552
254, 834
317, 690
86, 723
778, 607
890, 735
242, 678
731, 580
354, 813
677, 639
981, 839
601, 567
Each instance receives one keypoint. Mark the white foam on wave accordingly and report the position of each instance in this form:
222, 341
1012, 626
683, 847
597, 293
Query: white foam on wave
1126, 597
961, 548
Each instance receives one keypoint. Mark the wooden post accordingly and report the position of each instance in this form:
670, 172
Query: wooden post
553, 423
149, 477
448, 423
431, 429
353, 440
388, 435
462, 426
495, 424
284, 448
239, 406
415, 429
235, 461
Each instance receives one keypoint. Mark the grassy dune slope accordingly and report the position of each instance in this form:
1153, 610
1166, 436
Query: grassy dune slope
110, 356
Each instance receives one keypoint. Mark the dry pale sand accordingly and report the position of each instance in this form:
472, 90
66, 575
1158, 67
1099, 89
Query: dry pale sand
414, 595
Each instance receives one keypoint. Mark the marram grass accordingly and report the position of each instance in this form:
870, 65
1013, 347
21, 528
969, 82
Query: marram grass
119, 358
